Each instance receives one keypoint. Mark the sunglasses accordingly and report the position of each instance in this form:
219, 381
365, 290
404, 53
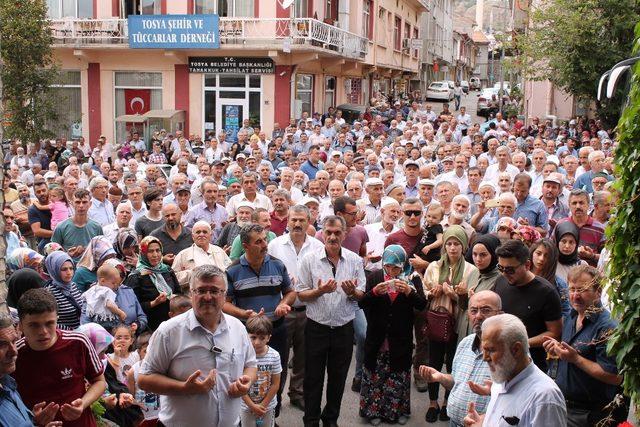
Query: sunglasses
412, 213
507, 270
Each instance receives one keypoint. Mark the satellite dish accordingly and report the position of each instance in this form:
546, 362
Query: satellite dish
287, 3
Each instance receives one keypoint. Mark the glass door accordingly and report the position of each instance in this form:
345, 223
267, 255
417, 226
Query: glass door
231, 113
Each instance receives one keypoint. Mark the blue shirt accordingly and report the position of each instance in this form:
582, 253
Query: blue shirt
584, 181
13, 412
127, 301
534, 211
310, 169
591, 343
102, 212
251, 290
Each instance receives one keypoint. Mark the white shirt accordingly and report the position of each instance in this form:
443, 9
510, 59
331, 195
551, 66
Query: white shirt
493, 171
179, 347
261, 201
461, 181
325, 209
531, 396
187, 259
377, 236
335, 308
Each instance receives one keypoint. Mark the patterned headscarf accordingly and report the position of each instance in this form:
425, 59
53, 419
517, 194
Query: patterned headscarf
394, 255
527, 234
154, 271
52, 247
126, 238
98, 249
99, 337
24, 257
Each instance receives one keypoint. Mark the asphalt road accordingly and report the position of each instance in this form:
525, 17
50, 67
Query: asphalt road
469, 101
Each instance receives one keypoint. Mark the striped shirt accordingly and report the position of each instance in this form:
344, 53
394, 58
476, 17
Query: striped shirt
68, 314
468, 365
251, 290
268, 366
335, 308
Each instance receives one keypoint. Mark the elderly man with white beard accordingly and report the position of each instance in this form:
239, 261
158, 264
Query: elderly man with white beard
459, 212
521, 394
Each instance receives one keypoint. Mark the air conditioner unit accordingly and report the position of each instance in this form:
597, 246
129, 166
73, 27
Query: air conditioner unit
406, 44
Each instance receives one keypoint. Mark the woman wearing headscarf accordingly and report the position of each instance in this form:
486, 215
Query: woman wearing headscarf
482, 254
446, 283
69, 299
543, 255
153, 282
20, 282
389, 304
24, 258
126, 247
567, 236
98, 251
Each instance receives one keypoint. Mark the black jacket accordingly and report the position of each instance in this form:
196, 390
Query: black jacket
393, 321
146, 292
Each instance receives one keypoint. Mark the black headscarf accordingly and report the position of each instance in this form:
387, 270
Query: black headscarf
20, 282
567, 227
490, 242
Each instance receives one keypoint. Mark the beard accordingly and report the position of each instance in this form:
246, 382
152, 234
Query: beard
458, 216
503, 371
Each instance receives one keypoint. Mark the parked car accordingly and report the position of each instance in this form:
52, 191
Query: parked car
505, 85
465, 86
440, 90
475, 83
484, 97
351, 112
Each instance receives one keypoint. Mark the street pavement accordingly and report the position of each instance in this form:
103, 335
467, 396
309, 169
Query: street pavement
469, 101
291, 416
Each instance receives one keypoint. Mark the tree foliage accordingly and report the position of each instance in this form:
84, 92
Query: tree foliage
28, 69
572, 43
624, 241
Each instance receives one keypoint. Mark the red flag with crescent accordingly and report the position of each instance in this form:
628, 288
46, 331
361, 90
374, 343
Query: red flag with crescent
137, 101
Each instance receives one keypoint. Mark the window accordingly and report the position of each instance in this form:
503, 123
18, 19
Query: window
150, 7
397, 36
417, 37
136, 93
329, 92
367, 22
58, 9
221, 87
225, 8
407, 33
301, 9
354, 91
304, 94
382, 29
68, 106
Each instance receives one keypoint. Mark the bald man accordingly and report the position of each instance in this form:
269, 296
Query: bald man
173, 235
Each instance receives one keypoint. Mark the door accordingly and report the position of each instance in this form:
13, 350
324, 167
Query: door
231, 113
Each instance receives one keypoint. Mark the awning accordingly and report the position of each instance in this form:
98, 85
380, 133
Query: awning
162, 114
131, 118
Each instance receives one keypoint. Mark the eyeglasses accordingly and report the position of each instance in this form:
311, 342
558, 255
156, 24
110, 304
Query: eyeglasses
482, 310
412, 213
350, 213
507, 270
204, 291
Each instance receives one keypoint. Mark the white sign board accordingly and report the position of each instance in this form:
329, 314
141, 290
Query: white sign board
416, 43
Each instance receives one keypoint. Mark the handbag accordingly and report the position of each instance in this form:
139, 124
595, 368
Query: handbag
439, 325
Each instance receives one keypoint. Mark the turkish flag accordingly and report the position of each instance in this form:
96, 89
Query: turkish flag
137, 101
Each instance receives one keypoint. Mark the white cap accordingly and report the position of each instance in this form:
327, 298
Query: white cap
488, 184
388, 201
336, 153
307, 199
373, 181
427, 181
245, 204
411, 162
241, 155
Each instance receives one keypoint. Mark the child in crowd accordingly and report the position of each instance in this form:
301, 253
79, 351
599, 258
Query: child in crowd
258, 406
59, 206
149, 402
100, 300
123, 356
179, 304
429, 246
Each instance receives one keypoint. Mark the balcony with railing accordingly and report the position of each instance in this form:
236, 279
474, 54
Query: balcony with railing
296, 33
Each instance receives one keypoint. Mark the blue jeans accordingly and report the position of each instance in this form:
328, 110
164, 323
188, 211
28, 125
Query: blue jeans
360, 332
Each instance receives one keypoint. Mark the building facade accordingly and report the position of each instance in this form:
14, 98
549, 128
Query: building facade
272, 63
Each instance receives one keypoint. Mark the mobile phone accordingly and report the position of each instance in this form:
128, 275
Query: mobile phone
492, 203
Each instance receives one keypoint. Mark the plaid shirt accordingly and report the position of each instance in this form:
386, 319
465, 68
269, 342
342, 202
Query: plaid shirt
467, 366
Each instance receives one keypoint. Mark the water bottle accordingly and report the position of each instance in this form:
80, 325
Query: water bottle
259, 422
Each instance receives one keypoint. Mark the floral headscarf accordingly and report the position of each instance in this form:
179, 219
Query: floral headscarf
52, 247
125, 238
527, 234
99, 337
154, 271
24, 257
98, 249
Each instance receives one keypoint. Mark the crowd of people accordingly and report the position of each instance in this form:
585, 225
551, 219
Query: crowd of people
182, 282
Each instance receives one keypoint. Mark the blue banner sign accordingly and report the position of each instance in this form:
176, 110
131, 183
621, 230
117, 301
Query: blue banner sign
173, 31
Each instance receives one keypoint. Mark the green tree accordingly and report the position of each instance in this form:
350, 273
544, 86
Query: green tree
28, 69
572, 43
624, 241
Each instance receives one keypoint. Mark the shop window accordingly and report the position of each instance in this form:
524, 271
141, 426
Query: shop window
136, 93
304, 94
58, 9
329, 93
68, 106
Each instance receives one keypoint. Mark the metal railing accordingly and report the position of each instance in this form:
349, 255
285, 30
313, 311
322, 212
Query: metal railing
242, 31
